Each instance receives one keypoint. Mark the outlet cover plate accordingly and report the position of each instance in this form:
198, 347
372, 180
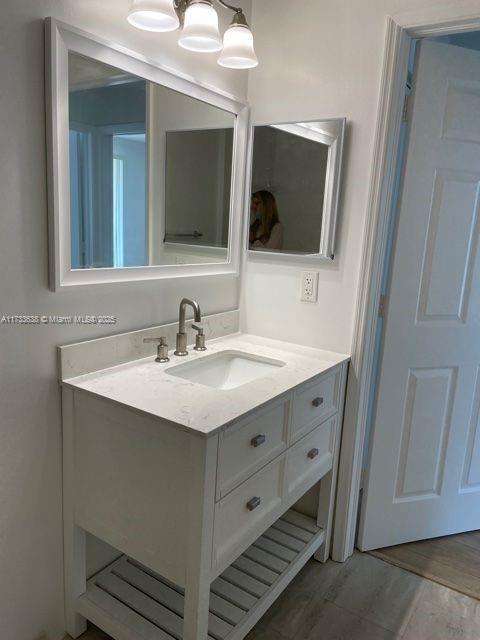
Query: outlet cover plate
309, 292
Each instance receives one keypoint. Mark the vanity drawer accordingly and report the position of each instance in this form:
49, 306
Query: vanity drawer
311, 458
250, 444
243, 515
314, 402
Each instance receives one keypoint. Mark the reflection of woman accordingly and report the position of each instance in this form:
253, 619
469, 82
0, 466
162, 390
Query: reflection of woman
266, 230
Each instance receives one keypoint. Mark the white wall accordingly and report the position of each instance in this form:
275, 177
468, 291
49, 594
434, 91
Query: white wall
319, 60
30, 434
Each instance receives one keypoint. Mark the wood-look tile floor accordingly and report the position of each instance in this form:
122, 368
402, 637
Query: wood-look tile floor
368, 599
363, 599
453, 561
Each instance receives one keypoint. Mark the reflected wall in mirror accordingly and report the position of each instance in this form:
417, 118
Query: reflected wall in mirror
294, 187
150, 171
205, 156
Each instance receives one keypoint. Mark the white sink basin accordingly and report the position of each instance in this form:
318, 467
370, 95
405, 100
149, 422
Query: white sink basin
226, 369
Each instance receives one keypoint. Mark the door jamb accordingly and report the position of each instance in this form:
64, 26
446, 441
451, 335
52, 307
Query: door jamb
436, 21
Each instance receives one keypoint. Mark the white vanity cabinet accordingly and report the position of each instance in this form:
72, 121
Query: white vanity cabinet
206, 523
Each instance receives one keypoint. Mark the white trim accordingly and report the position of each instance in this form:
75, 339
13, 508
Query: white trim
60, 39
302, 130
118, 220
454, 18
326, 251
201, 249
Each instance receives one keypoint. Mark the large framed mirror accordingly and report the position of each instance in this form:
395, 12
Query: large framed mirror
294, 189
146, 168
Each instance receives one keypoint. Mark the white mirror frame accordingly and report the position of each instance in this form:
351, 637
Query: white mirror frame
332, 189
62, 38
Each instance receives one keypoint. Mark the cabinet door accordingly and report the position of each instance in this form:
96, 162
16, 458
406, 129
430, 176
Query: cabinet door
249, 445
247, 511
314, 402
311, 458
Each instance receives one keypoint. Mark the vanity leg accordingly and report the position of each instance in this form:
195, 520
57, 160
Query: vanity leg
74, 555
203, 462
328, 484
75, 581
197, 601
325, 514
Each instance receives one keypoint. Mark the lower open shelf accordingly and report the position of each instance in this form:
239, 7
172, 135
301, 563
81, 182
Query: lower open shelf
130, 602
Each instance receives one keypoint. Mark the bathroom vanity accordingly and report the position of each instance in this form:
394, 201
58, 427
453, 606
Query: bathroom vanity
193, 470
210, 478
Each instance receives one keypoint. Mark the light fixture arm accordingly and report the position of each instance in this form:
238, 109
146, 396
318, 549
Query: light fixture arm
229, 6
182, 5
239, 18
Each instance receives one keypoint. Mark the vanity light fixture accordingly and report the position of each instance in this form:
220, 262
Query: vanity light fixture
154, 15
238, 51
198, 20
200, 28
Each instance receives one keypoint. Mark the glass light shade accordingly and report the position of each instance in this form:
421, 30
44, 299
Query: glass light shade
153, 15
238, 51
200, 31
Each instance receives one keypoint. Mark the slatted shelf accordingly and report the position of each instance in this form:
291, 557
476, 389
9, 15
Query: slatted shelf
135, 603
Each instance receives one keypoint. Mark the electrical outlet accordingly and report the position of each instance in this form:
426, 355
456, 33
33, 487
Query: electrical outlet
309, 286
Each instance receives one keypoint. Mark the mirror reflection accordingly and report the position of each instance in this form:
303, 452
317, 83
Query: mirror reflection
201, 154
150, 172
294, 179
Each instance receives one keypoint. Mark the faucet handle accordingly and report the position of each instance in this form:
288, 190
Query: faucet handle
162, 349
200, 339
200, 330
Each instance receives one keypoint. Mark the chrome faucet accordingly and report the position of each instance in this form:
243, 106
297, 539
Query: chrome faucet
182, 334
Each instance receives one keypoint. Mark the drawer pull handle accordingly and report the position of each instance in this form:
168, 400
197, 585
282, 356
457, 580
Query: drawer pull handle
317, 402
253, 503
258, 440
313, 454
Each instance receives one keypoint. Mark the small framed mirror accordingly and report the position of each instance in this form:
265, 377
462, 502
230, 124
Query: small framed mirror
146, 168
295, 182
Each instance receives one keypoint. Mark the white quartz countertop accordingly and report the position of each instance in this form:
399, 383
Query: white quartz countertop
146, 386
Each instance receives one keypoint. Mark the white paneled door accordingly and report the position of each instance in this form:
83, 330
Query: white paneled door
424, 473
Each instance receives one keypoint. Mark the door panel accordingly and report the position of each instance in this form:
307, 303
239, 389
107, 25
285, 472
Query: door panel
471, 469
461, 118
423, 478
445, 282
426, 425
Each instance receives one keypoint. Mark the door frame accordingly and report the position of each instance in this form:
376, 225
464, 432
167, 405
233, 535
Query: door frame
400, 30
